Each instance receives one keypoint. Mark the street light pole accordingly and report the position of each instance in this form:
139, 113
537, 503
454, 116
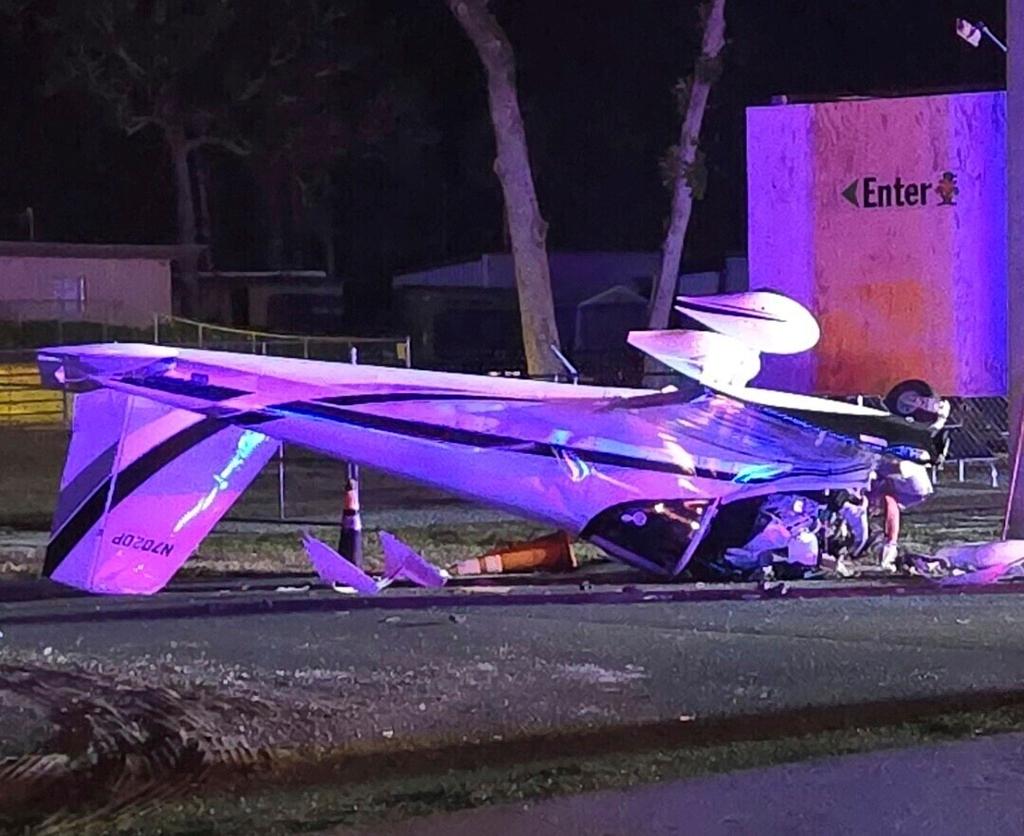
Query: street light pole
988, 33
1014, 525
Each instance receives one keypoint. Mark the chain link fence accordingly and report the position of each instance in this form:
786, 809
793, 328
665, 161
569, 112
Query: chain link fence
978, 440
34, 421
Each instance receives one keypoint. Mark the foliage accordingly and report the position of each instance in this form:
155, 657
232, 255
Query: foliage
148, 63
332, 94
709, 68
672, 167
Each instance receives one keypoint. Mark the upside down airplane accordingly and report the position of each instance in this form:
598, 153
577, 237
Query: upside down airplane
166, 439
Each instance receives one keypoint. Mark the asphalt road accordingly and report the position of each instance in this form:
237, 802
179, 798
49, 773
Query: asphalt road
414, 684
479, 664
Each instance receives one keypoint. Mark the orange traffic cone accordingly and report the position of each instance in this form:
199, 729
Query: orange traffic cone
553, 553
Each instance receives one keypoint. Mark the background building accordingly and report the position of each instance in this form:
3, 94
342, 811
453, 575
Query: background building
466, 315
113, 284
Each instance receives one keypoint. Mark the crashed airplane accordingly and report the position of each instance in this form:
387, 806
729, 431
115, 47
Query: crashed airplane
166, 439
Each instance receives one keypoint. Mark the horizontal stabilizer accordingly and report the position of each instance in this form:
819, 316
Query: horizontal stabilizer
761, 320
400, 561
713, 359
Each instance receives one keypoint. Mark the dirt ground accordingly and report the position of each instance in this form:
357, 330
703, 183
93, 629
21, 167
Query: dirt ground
443, 528
31, 461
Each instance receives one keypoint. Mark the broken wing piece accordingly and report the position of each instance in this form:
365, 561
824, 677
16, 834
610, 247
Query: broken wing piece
981, 563
401, 561
979, 577
335, 570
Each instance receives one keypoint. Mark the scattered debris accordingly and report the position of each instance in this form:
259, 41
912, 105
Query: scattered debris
400, 563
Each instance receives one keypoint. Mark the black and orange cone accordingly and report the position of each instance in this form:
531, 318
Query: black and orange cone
350, 540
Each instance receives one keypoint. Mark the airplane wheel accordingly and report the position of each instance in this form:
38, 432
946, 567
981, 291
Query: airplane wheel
914, 399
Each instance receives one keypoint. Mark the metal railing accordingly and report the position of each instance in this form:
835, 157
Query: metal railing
23, 400
278, 492
380, 351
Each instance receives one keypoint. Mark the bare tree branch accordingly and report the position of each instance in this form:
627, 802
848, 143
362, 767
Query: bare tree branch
136, 124
240, 147
684, 162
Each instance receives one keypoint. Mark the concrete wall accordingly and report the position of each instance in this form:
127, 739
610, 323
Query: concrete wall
906, 282
115, 291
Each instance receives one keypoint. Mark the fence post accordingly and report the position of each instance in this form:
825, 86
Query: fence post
305, 348
156, 328
408, 351
280, 482
350, 539
199, 337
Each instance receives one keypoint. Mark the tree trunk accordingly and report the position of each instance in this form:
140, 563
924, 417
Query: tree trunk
272, 185
205, 224
179, 149
664, 291
1014, 524
325, 225
527, 229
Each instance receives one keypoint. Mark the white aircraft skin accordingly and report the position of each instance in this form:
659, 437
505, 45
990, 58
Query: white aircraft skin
166, 439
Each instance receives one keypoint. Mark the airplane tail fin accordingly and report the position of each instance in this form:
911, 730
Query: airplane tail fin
143, 484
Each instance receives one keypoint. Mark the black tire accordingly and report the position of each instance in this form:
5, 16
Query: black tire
905, 399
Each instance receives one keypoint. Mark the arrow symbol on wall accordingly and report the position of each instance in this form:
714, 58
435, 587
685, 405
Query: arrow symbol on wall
850, 193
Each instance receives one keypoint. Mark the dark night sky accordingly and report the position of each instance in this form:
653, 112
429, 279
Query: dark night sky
595, 85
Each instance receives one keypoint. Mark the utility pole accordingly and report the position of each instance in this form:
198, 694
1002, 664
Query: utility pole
1014, 527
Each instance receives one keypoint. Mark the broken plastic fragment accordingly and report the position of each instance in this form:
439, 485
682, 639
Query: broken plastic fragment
336, 570
401, 561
